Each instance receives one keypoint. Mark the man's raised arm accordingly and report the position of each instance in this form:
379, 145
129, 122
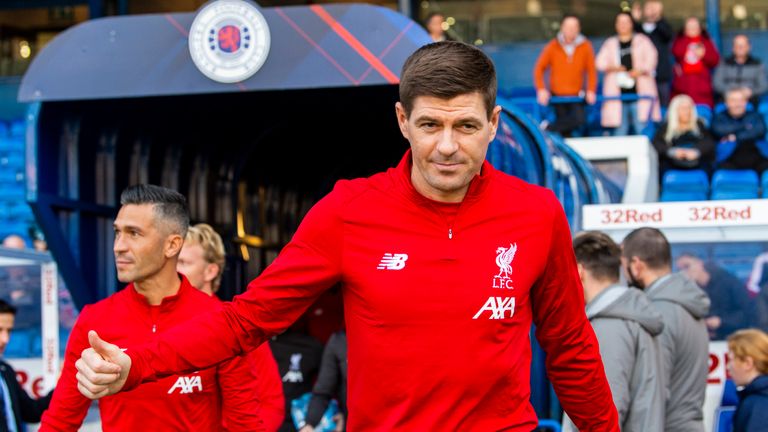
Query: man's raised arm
306, 267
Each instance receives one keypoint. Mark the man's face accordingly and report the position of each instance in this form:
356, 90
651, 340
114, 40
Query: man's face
193, 265
741, 46
570, 28
632, 268
652, 10
139, 243
693, 268
736, 102
449, 139
6, 326
435, 25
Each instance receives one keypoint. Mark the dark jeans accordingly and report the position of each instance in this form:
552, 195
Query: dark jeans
746, 156
665, 92
569, 117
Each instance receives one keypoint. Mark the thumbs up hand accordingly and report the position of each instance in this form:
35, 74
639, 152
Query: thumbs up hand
102, 369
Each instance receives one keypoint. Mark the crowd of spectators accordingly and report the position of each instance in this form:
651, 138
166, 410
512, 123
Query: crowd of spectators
699, 109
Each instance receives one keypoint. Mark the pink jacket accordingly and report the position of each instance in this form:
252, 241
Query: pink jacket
644, 58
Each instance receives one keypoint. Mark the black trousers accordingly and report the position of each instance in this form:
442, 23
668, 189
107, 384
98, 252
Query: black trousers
569, 117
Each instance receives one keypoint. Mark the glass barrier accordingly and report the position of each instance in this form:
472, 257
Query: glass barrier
735, 276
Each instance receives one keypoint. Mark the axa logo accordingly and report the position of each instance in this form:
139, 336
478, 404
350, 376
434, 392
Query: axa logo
392, 261
497, 308
187, 384
294, 374
504, 257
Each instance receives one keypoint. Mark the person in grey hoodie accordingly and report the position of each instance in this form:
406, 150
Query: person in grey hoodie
684, 343
626, 326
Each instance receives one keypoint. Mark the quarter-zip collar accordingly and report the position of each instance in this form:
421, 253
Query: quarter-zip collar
167, 302
403, 178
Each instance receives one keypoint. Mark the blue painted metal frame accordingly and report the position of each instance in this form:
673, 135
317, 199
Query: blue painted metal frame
83, 285
712, 8
540, 140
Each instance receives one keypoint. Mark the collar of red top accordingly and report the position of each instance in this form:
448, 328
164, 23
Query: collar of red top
167, 301
476, 187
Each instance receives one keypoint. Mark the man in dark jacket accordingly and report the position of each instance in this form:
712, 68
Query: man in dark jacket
23, 407
741, 71
731, 307
741, 134
298, 359
652, 24
684, 342
626, 325
331, 382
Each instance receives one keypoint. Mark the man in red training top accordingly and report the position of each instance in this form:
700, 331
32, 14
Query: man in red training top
202, 260
149, 232
444, 263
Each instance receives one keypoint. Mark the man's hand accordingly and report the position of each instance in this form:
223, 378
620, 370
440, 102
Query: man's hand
307, 428
591, 98
713, 322
102, 369
542, 95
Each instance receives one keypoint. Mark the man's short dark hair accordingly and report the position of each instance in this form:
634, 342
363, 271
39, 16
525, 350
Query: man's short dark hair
445, 70
650, 246
432, 15
169, 205
6, 307
599, 255
570, 15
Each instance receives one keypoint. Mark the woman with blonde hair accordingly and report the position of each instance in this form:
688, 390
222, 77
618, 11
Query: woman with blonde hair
683, 140
748, 366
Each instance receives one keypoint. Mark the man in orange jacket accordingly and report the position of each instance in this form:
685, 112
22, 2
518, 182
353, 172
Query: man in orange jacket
569, 57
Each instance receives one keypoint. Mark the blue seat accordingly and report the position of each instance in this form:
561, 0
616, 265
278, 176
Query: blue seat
721, 107
724, 419
4, 129
764, 184
550, 425
670, 196
18, 128
682, 185
705, 113
734, 184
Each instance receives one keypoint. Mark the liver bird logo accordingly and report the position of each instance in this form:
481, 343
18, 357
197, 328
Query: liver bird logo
504, 257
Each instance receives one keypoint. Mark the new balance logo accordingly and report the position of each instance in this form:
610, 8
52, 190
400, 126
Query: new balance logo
392, 262
498, 307
187, 385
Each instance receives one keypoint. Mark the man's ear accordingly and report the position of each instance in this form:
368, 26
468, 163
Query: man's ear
173, 245
581, 270
495, 121
402, 120
210, 272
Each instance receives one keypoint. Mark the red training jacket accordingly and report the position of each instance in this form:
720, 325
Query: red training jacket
199, 401
438, 311
269, 386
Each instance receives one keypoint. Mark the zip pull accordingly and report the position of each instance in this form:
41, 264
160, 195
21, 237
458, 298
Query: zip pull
154, 328
450, 234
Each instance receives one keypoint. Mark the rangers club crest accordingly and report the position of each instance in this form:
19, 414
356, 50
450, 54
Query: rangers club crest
504, 257
229, 40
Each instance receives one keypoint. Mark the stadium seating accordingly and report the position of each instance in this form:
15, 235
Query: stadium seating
734, 184
679, 185
721, 107
705, 113
764, 184
18, 127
